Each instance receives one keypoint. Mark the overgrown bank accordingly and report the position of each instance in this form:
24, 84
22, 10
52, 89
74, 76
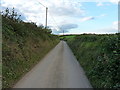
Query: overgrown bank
99, 55
23, 46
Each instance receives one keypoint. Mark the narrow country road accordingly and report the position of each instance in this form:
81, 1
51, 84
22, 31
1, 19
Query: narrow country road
58, 69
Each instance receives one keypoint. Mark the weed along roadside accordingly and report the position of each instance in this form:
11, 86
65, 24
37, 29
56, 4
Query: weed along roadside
99, 57
24, 45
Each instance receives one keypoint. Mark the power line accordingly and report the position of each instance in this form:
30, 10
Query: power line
42, 4
46, 13
51, 17
54, 21
49, 14
56, 24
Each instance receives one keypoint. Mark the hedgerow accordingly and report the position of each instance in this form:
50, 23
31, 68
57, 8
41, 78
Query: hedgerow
99, 55
24, 45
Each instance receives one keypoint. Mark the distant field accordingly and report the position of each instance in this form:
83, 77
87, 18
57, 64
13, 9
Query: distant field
70, 36
99, 56
66, 37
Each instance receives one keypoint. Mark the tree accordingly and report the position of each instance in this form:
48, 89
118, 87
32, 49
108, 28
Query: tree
11, 15
6, 12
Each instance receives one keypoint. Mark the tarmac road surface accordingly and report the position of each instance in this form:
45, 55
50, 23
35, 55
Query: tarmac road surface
58, 69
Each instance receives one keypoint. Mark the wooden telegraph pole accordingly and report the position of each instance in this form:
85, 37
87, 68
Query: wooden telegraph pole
63, 34
46, 17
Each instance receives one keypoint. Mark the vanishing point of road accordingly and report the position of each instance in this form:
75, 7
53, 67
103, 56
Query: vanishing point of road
58, 69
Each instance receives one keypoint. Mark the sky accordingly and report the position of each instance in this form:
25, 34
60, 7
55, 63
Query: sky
70, 16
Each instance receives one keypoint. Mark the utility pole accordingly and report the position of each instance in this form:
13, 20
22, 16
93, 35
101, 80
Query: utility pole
63, 34
46, 17
46, 13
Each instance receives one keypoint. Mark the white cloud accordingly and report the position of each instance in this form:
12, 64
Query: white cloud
35, 12
112, 29
114, 1
99, 4
64, 28
68, 26
102, 15
65, 11
83, 19
107, 30
102, 3
115, 24
29, 9
87, 18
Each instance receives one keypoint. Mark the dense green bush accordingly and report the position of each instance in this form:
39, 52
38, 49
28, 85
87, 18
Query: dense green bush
99, 55
23, 46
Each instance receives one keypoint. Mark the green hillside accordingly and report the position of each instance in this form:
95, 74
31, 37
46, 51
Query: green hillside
24, 45
99, 55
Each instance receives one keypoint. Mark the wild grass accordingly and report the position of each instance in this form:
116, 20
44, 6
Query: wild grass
99, 55
24, 45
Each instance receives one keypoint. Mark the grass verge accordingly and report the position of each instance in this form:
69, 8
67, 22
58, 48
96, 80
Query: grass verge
24, 45
99, 55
